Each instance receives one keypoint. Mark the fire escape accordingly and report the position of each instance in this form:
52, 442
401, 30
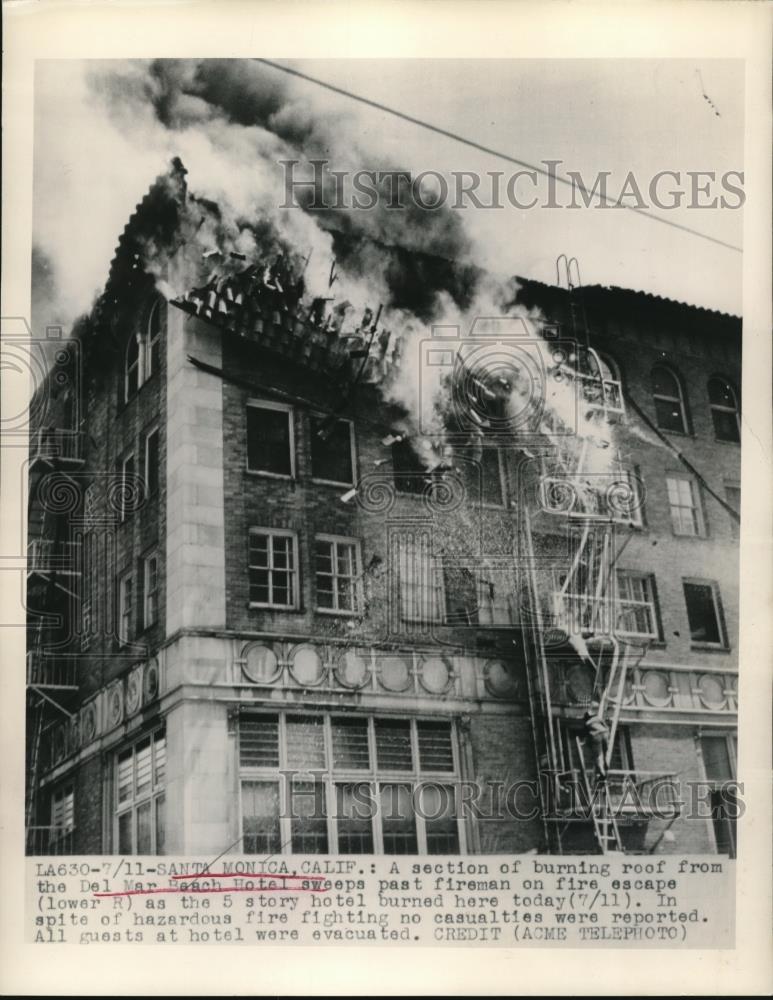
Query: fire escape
590, 791
53, 569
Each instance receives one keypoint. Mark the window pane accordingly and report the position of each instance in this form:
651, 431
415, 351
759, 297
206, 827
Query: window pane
669, 415
355, 808
143, 829
716, 758
308, 821
125, 772
260, 817
398, 823
306, 742
439, 811
701, 613
726, 425
393, 744
160, 824
268, 440
125, 845
435, 748
143, 768
350, 744
721, 393
160, 759
259, 741
664, 383
331, 453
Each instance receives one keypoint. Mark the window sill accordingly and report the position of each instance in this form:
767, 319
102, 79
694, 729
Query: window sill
270, 475
331, 482
275, 607
336, 613
709, 647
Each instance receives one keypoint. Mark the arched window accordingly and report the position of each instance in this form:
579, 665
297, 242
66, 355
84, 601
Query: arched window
724, 410
154, 339
132, 379
667, 394
143, 350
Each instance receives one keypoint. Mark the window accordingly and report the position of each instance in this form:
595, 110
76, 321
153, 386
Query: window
733, 497
133, 372
140, 772
719, 756
151, 462
150, 588
420, 579
704, 612
153, 340
668, 397
637, 611
477, 596
125, 608
683, 499
63, 811
352, 785
273, 574
483, 474
411, 475
270, 443
143, 351
332, 450
337, 567
724, 410
127, 485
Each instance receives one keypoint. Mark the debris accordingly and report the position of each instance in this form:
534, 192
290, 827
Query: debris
349, 495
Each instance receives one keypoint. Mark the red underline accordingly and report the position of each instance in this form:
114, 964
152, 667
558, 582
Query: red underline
148, 892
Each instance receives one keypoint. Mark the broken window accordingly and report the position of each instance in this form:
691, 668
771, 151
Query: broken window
719, 764
270, 445
332, 450
668, 397
704, 612
411, 475
724, 410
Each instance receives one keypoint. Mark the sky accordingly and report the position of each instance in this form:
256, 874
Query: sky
101, 139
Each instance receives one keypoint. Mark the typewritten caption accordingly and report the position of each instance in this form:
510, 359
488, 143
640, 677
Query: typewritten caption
627, 901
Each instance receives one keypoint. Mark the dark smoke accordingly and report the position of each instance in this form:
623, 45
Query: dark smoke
418, 253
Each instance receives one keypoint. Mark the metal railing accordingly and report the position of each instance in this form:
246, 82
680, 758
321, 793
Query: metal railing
50, 672
633, 794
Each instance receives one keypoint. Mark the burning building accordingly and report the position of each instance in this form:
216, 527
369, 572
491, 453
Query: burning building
313, 576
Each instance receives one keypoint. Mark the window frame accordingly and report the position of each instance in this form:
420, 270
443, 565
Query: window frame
331, 777
352, 451
335, 541
147, 560
720, 408
729, 823
734, 485
435, 573
651, 602
126, 610
61, 795
129, 458
719, 615
277, 407
699, 516
155, 795
134, 338
681, 399
154, 429
295, 572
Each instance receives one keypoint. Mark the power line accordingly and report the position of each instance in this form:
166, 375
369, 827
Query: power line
495, 152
